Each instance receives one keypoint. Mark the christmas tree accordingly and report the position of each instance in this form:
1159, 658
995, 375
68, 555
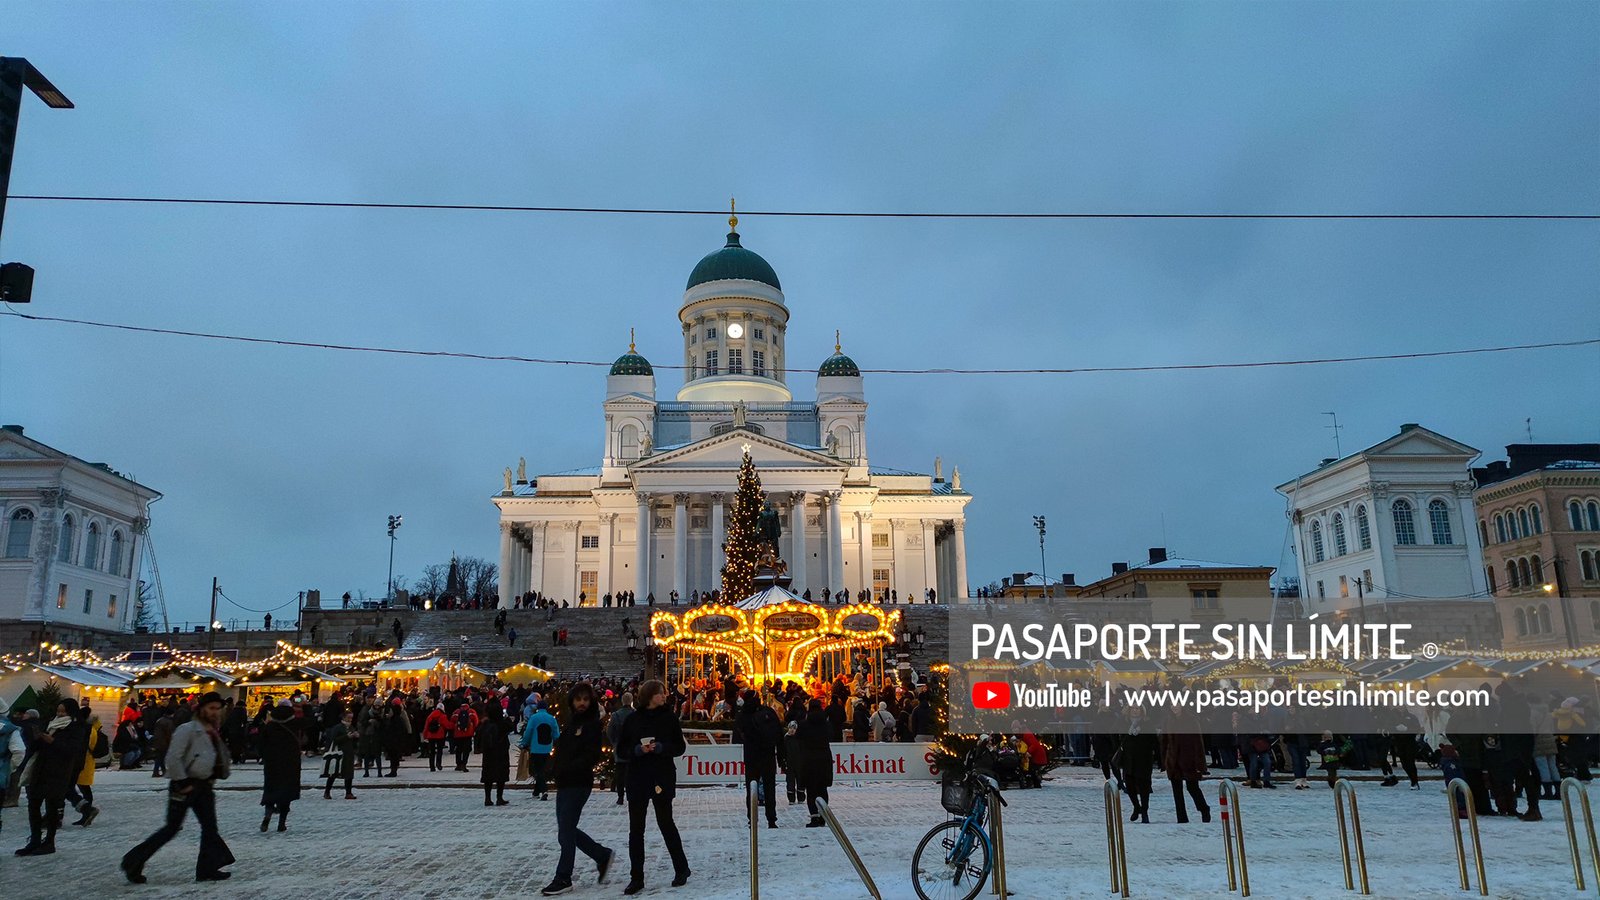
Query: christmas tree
743, 546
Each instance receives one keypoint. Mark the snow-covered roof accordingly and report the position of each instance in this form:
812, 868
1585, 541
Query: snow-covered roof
1574, 464
1173, 562
419, 664
772, 596
90, 676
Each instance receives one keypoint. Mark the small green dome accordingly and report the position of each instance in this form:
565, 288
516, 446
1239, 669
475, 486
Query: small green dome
733, 261
631, 363
839, 365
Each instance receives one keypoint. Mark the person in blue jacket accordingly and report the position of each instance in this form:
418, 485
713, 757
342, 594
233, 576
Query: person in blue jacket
538, 738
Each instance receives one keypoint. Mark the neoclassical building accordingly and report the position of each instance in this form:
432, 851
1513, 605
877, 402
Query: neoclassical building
650, 517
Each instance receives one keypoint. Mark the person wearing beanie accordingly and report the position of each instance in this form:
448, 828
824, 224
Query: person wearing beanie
53, 765
280, 764
195, 760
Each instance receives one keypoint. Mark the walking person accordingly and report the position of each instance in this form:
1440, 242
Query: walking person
160, 740
539, 738
81, 796
654, 737
370, 722
577, 750
343, 738
816, 759
462, 732
195, 761
494, 742
396, 733
759, 730
436, 730
53, 763
1140, 747
614, 738
280, 765
1333, 752
1183, 756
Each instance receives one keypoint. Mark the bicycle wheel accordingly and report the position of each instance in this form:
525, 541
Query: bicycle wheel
952, 862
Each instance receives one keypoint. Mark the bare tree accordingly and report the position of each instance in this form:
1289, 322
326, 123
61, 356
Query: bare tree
480, 576
432, 580
144, 614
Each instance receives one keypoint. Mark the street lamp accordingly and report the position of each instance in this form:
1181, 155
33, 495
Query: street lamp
1044, 571
16, 279
394, 525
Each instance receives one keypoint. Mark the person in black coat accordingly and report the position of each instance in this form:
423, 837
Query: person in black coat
653, 737
577, 751
343, 738
396, 734
494, 740
759, 730
280, 765
1139, 750
816, 759
55, 757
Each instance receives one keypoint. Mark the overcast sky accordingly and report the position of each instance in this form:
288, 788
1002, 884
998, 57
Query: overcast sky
279, 466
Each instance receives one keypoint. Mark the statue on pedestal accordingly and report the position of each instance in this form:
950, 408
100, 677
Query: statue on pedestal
508, 479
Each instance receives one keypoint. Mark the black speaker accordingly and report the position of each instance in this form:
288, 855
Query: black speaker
16, 283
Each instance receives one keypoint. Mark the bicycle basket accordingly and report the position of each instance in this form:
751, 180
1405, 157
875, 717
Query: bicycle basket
956, 794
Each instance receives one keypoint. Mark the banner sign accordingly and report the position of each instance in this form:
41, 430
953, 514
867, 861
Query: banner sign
867, 761
714, 624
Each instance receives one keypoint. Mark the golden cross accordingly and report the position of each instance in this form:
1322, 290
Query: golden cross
733, 215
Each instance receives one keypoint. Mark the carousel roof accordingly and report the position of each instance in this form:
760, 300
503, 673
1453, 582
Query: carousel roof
772, 596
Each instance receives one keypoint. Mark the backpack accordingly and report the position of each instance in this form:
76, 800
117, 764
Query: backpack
102, 747
542, 733
463, 719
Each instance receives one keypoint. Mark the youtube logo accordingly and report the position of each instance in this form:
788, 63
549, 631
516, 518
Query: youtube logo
991, 695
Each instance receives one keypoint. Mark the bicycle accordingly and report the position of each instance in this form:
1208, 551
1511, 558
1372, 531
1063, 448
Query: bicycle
964, 857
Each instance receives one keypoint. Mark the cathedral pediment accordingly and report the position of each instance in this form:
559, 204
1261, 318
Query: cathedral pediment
1419, 441
726, 451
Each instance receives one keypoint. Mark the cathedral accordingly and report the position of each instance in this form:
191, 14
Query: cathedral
650, 517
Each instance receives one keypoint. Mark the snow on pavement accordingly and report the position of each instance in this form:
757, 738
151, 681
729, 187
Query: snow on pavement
429, 835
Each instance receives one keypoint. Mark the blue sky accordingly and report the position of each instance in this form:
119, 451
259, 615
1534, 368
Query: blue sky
279, 466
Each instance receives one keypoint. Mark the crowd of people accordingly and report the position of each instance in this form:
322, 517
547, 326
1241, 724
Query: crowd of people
537, 600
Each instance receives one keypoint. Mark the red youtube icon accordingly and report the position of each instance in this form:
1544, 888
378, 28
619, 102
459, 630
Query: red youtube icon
991, 695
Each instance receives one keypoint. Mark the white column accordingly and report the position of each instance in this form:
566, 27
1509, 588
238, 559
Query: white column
533, 562
680, 545
508, 588
929, 577
718, 536
798, 554
864, 551
835, 542
641, 555
603, 579
960, 542
571, 536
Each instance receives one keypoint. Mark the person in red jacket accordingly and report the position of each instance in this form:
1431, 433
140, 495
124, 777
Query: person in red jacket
463, 725
436, 730
1033, 771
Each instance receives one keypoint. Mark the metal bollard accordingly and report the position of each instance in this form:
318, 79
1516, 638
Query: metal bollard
1456, 786
1341, 791
1116, 848
1569, 786
997, 828
848, 848
1232, 836
755, 819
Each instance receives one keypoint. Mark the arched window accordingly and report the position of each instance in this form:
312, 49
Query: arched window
1522, 622
1588, 565
628, 443
1483, 533
843, 437
1499, 528
1575, 515
1316, 542
1363, 529
1405, 526
1512, 581
1538, 520
1594, 516
1488, 572
1511, 525
1439, 520
91, 546
114, 561
1544, 619
64, 541
1526, 572
1339, 546
1594, 614
1522, 520
1538, 570
20, 538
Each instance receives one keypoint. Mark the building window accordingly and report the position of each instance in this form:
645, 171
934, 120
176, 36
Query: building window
1544, 619
587, 580
1575, 515
1522, 520
61, 597
1512, 581
880, 582
1594, 614
1483, 533
114, 562
1499, 528
694, 367
1344, 586
1526, 572
1366, 580
1439, 520
1588, 559
711, 362
735, 361
1321, 594
1488, 573
1405, 528
1339, 546
1522, 622
711, 334
88, 602
1538, 520
589, 542
628, 442
694, 337
1594, 516
68, 534
758, 363
1205, 598
1538, 570
1363, 529
1316, 542
111, 608
760, 334
91, 546
880, 539
20, 538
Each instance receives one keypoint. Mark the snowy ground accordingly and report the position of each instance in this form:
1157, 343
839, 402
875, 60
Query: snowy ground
428, 835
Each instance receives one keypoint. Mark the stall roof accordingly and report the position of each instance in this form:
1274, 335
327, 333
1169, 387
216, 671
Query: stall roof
1512, 667
420, 664
1418, 669
1137, 666
90, 676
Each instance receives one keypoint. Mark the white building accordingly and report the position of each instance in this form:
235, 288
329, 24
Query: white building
1393, 522
650, 517
71, 532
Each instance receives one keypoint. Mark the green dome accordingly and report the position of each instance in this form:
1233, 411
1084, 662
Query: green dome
733, 261
631, 363
839, 365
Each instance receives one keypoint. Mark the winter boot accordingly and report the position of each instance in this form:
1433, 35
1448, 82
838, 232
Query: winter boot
266, 820
283, 821
816, 822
